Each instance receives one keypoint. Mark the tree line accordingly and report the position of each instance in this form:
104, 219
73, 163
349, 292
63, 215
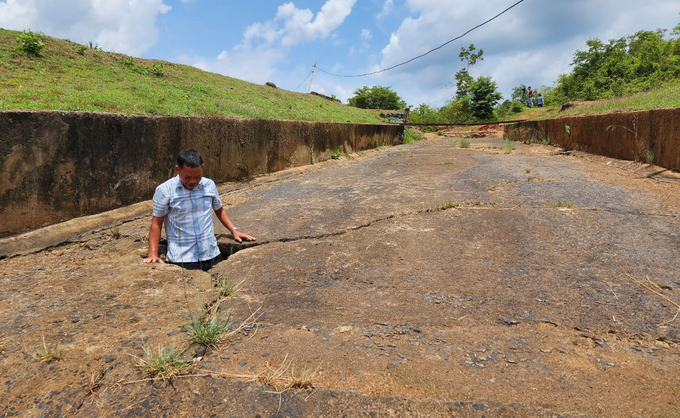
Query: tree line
631, 64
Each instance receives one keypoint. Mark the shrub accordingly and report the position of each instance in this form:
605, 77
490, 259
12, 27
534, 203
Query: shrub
31, 43
410, 136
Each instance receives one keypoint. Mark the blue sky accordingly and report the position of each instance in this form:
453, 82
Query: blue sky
279, 41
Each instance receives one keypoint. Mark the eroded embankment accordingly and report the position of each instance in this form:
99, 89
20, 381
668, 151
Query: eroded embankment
56, 166
651, 136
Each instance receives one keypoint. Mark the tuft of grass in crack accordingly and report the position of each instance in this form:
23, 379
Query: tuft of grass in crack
464, 143
163, 363
50, 354
207, 328
225, 286
442, 206
561, 204
335, 154
115, 232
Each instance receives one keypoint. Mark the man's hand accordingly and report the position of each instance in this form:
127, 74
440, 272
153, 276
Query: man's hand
153, 259
240, 236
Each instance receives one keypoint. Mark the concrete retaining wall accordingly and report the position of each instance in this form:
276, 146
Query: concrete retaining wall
61, 165
636, 136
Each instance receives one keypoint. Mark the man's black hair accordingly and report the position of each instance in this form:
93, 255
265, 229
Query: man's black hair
189, 157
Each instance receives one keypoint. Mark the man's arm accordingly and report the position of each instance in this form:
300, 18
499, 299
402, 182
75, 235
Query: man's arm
229, 224
154, 239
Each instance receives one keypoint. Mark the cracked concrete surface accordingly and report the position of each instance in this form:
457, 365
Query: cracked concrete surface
418, 280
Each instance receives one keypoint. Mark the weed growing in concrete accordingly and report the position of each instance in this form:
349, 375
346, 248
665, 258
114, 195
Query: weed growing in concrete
509, 146
442, 206
464, 143
519, 204
335, 154
508, 181
650, 157
50, 354
561, 204
163, 363
225, 286
491, 188
115, 232
208, 328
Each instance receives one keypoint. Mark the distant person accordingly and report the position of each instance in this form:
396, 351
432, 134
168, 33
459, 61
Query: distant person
530, 96
539, 100
185, 203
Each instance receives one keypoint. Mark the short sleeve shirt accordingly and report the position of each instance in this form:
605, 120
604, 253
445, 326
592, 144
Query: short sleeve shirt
188, 219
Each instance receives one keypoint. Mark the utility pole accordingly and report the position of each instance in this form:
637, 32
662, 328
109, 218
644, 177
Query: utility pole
310, 80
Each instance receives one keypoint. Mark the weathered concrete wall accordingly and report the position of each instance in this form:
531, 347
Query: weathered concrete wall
61, 165
635, 136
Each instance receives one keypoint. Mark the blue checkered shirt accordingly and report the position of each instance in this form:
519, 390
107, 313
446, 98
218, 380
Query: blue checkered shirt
188, 224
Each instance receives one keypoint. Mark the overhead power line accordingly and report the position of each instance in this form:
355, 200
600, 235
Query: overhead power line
428, 52
302, 81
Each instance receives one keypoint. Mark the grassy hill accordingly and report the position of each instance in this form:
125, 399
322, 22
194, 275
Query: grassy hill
69, 76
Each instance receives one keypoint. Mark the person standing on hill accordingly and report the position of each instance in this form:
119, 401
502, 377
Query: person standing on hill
539, 100
531, 97
185, 204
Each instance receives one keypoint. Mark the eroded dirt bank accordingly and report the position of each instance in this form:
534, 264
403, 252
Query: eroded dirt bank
418, 280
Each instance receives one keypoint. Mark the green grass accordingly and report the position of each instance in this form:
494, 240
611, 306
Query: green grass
163, 363
464, 143
509, 146
68, 76
225, 286
667, 96
208, 329
411, 136
50, 354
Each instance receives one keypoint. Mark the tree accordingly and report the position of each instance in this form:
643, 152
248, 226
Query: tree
376, 97
484, 96
463, 77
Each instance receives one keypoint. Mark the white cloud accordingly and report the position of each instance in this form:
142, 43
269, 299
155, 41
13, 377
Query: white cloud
127, 26
366, 34
293, 26
387, 9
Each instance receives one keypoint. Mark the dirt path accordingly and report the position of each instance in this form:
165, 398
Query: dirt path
418, 280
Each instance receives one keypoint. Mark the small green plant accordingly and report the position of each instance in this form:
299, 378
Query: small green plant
50, 354
650, 157
335, 154
80, 49
508, 181
509, 146
225, 286
464, 143
440, 133
442, 206
158, 70
561, 204
545, 141
375, 144
411, 136
311, 156
163, 363
31, 42
94, 46
519, 204
567, 129
208, 328
115, 232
